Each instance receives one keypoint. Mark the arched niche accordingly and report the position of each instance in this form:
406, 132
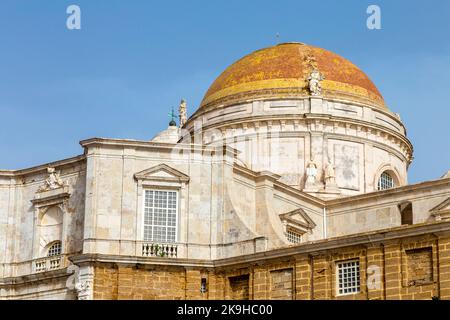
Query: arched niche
50, 227
50, 212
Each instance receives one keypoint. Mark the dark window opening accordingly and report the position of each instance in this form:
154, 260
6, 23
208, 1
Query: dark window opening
204, 286
406, 212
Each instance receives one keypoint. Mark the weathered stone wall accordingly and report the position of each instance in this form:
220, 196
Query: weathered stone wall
20, 241
131, 283
361, 140
50, 286
409, 268
281, 282
239, 287
375, 211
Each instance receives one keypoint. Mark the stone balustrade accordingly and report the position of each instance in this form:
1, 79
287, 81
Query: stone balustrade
48, 264
169, 250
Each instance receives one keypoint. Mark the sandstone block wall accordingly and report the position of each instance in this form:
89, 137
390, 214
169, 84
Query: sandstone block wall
410, 268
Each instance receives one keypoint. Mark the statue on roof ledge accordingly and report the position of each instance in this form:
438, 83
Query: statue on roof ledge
182, 111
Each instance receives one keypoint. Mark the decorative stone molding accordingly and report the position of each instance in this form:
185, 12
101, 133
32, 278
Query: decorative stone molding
45, 199
55, 191
84, 285
162, 176
83, 288
393, 172
52, 182
297, 220
442, 229
162, 172
53, 194
441, 211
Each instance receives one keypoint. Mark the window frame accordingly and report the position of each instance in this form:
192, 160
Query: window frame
50, 246
295, 233
383, 176
338, 265
177, 213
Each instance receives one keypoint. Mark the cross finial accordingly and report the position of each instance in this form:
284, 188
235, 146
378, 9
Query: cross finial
172, 116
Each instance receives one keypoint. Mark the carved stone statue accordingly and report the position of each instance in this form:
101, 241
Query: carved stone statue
314, 79
182, 110
330, 175
311, 173
52, 182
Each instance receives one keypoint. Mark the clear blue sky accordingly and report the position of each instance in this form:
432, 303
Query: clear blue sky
132, 61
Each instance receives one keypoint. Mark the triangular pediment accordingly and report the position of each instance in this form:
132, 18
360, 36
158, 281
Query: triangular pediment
162, 172
298, 218
443, 207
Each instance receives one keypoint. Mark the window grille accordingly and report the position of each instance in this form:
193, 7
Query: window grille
385, 181
160, 216
293, 236
54, 249
348, 277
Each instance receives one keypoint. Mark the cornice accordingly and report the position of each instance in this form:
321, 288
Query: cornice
232, 123
255, 175
121, 143
314, 247
35, 277
43, 167
293, 93
298, 194
136, 260
388, 192
375, 237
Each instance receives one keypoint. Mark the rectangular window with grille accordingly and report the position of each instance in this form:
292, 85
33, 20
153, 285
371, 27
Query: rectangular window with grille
347, 277
160, 215
293, 237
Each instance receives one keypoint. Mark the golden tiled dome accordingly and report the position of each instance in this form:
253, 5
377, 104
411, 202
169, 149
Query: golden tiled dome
282, 71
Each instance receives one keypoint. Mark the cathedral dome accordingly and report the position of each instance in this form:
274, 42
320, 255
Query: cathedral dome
282, 71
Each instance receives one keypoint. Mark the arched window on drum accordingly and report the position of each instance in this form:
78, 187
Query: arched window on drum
386, 181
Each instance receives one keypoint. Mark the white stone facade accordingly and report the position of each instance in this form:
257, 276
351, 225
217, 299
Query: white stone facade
282, 136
